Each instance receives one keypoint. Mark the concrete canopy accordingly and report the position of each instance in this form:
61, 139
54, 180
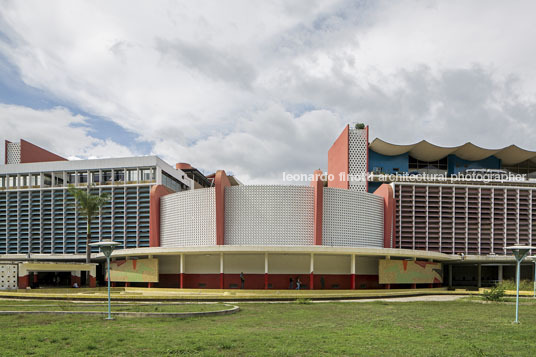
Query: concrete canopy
425, 151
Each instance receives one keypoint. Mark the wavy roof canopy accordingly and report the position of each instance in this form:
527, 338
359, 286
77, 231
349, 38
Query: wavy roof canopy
425, 151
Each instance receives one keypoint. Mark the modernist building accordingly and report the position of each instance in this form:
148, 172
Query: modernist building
38, 217
351, 231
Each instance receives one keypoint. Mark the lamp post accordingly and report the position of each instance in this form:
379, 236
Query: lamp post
533, 258
106, 247
520, 252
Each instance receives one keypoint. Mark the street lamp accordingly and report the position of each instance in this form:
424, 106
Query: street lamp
106, 247
520, 252
533, 258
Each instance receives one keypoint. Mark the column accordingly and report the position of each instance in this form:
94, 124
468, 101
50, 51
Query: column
431, 284
221, 270
312, 275
127, 284
93, 277
352, 272
500, 274
414, 286
150, 284
479, 276
388, 286
181, 272
265, 271
450, 275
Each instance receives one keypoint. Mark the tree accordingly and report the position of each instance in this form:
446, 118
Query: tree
89, 206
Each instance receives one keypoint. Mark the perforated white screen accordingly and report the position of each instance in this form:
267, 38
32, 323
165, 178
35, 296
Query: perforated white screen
269, 215
357, 157
8, 276
352, 219
188, 218
13, 153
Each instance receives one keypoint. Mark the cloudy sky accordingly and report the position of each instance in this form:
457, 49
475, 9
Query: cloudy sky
263, 87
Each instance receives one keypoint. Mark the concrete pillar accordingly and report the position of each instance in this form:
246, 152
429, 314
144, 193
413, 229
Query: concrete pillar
479, 276
24, 281
93, 277
221, 271
352, 272
265, 271
181, 272
450, 275
388, 286
312, 275
500, 274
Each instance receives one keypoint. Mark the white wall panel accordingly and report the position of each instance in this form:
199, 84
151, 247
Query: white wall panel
168, 264
289, 263
247, 263
352, 219
202, 264
366, 265
188, 218
269, 215
332, 264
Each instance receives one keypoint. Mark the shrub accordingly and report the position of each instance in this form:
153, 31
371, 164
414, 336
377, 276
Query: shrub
360, 126
303, 301
524, 285
494, 294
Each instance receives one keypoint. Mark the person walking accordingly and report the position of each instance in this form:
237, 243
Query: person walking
298, 283
242, 280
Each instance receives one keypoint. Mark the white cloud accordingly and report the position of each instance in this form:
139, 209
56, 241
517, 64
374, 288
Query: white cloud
264, 87
56, 130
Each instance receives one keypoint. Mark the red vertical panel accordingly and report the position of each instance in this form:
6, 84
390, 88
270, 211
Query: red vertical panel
386, 192
220, 182
157, 191
318, 186
338, 161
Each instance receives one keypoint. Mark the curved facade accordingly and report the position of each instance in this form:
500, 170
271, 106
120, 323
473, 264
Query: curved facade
272, 216
269, 215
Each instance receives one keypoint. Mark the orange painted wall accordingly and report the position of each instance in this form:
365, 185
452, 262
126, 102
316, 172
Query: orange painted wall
318, 185
338, 160
220, 182
385, 191
157, 191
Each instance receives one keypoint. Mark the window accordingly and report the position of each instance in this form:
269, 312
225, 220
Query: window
95, 177
172, 183
415, 164
119, 175
71, 178
147, 175
106, 177
82, 177
35, 180
132, 176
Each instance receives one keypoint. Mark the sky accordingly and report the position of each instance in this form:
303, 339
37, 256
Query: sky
262, 88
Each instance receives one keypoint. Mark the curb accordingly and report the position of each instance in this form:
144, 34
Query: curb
233, 310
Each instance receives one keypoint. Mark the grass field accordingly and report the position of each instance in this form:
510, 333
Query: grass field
14, 305
454, 328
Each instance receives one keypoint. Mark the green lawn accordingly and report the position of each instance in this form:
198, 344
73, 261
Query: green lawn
455, 328
119, 307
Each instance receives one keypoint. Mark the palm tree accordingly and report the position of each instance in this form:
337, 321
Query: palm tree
88, 206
